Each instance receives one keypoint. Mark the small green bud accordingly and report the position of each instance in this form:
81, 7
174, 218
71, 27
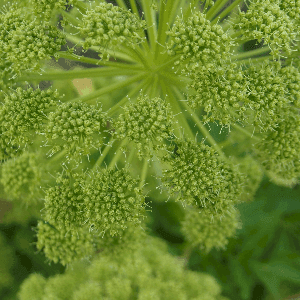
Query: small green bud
64, 245
33, 287
113, 201
76, 128
203, 230
147, 122
108, 26
198, 176
21, 178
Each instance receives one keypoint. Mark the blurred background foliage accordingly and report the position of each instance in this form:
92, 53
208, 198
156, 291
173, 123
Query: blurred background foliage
261, 263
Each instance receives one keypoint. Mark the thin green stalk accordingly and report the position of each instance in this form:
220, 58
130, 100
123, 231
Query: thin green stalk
226, 11
171, 98
250, 54
245, 132
144, 173
189, 10
151, 22
215, 9
202, 128
98, 62
73, 74
69, 17
109, 89
134, 7
163, 23
116, 54
131, 155
132, 92
122, 4
103, 154
250, 61
118, 153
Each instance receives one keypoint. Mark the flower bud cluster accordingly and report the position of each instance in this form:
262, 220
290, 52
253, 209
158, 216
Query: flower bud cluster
21, 178
147, 122
205, 231
198, 176
291, 76
108, 26
64, 202
279, 152
264, 20
62, 245
24, 42
45, 8
23, 114
196, 40
292, 8
220, 90
113, 201
75, 127
267, 95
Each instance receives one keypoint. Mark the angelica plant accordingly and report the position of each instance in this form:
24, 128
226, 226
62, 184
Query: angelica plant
163, 75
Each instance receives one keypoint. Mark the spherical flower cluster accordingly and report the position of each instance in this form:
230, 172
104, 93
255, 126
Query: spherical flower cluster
220, 90
279, 152
198, 176
253, 172
196, 40
113, 201
207, 232
75, 127
25, 42
62, 245
21, 178
291, 76
267, 95
33, 287
23, 114
108, 26
264, 20
147, 122
45, 8
64, 202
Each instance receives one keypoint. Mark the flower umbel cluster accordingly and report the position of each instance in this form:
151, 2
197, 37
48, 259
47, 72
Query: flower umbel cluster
144, 95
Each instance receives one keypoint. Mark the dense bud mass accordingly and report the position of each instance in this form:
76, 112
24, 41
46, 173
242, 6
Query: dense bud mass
196, 40
76, 128
267, 95
23, 114
220, 90
279, 152
64, 203
21, 178
264, 20
113, 201
148, 122
206, 232
108, 26
199, 177
64, 245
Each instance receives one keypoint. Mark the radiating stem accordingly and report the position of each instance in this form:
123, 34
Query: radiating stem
118, 153
203, 129
151, 23
103, 154
214, 10
245, 132
144, 173
250, 54
110, 88
226, 11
